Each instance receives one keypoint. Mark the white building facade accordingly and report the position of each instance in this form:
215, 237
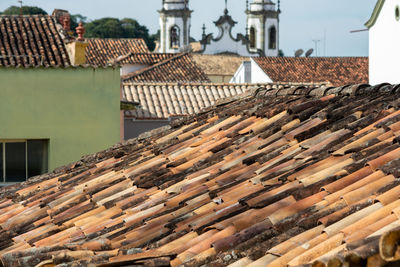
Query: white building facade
384, 42
174, 26
263, 27
250, 72
261, 37
225, 43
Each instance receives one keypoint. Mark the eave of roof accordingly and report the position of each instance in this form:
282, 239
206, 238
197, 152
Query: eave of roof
375, 14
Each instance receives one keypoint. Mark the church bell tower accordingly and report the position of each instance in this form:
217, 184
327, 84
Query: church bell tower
174, 26
263, 27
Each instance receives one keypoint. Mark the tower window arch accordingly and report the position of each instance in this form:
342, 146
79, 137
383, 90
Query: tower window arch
252, 37
272, 38
174, 34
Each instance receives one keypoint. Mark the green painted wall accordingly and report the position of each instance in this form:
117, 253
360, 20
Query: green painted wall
77, 109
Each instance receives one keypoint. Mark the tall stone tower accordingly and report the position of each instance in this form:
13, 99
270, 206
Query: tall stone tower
174, 26
263, 27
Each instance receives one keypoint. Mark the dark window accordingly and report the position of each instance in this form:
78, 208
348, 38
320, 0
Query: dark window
252, 37
272, 38
37, 157
15, 162
397, 13
22, 159
175, 37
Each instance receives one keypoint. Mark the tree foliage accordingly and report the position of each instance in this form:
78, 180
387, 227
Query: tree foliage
100, 28
115, 28
26, 10
75, 19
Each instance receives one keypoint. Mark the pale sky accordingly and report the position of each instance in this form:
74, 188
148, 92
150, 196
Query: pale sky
301, 21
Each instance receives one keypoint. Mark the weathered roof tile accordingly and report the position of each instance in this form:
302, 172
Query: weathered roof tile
254, 176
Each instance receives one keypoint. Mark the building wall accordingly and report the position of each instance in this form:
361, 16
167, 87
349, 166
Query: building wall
384, 46
220, 78
133, 128
129, 68
226, 44
268, 24
76, 109
243, 74
258, 75
166, 23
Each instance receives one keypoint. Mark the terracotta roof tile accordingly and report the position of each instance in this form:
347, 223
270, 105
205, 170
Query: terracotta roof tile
31, 40
164, 100
296, 184
219, 64
335, 70
178, 68
103, 51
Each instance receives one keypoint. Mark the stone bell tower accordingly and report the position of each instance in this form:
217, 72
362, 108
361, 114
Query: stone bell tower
263, 27
174, 26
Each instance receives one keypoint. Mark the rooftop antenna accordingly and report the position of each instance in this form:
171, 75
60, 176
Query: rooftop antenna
316, 46
298, 53
247, 4
279, 6
20, 9
309, 52
204, 31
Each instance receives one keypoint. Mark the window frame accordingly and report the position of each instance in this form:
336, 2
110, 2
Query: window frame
3, 142
178, 35
272, 32
252, 38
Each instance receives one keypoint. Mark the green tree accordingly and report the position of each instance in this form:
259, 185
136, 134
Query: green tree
75, 19
26, 10
115, 28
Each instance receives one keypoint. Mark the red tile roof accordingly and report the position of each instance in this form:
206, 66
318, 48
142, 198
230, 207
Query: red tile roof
32, 40
101, 52
179, 68
336, 70
280, 176
143, 58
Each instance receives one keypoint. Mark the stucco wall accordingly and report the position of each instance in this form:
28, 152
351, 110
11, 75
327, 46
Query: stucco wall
258, 75
243, 74
384, 43
77, 109
225, 44
133, 128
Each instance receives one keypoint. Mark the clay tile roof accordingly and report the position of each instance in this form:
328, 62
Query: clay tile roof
143, 58
178, 68
32, 40
285, 175
219, 64
101, 51
164, 100
335, 70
